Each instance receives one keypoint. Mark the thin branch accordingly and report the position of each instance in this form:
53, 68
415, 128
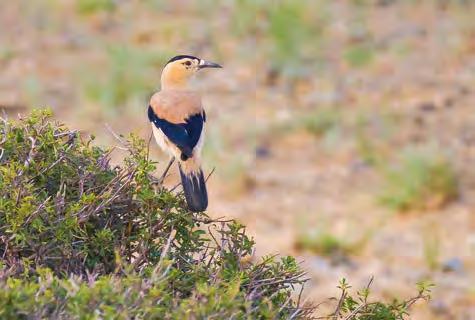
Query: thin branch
117, 136
164, 174
209, 175
148, 146
336, 314
165, 250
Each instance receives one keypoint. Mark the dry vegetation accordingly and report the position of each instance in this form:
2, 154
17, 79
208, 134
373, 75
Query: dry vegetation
347, 139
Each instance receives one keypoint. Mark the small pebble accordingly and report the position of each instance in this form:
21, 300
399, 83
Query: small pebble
439, 307
262, 152
427, 106
453, 265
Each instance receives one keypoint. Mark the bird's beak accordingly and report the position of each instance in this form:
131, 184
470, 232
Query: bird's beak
208, 64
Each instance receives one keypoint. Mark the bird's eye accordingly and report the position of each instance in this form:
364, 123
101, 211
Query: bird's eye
187, 63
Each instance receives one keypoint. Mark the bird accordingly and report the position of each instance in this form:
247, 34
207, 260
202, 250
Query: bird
178, 122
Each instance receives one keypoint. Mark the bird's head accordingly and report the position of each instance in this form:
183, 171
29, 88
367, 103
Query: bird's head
182, 68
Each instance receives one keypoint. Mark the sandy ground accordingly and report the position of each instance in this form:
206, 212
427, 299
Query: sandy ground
272, 174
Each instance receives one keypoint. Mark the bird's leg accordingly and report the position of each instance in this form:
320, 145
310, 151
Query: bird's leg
166, 170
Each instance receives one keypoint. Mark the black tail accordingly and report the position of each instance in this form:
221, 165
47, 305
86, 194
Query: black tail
194, 186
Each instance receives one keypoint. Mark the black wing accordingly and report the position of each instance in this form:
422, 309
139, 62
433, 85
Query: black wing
184, 135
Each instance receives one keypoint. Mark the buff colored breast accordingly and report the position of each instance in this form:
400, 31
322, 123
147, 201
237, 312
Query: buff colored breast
176, 106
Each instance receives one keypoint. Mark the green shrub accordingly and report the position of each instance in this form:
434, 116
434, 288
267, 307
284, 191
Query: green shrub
82, 239
422, 180
133, 250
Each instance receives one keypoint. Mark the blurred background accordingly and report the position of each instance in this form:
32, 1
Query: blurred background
342, 132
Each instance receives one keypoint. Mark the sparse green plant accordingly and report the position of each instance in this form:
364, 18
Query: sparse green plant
329, 244
316, 122
371, 140
360, 50
6, 54
423, 179
360, 307
285, 39
431, 247
244, 20
366, 148
360, 55
291, 47
322, 243
93, 6
321, 121
318, 238
129, 75
32, 89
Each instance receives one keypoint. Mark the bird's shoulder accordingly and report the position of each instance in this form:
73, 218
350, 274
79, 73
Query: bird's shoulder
176, 106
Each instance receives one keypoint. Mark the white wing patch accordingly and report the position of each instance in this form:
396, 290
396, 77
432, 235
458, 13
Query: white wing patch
164, 143
199, 145
168, 147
